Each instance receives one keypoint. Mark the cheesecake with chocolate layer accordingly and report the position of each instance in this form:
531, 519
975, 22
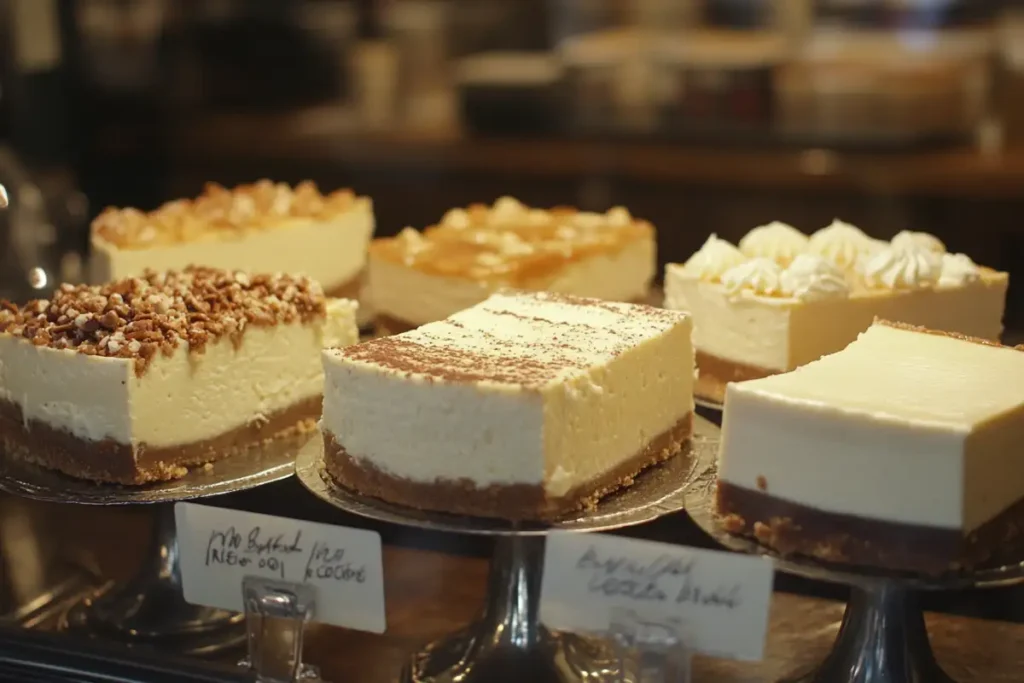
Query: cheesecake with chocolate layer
264, 227
525, 406
421, 277
782, 299
139, 379
900, 452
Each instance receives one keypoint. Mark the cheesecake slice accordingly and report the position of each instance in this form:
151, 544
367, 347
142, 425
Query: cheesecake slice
421, 277
783, 299
902, 451
526, 406
137, 380
260, 228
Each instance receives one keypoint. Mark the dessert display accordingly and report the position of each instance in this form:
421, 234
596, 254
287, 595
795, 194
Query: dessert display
525, 406
260, 228
782, 299
901, 452
139, 379
421, 277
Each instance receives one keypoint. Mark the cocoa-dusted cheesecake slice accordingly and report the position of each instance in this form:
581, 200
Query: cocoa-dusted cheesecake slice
902, 451
263, 227
139, 379
525, 406
421, 277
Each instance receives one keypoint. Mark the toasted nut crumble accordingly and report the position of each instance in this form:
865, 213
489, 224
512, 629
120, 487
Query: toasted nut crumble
137, 317
218, 212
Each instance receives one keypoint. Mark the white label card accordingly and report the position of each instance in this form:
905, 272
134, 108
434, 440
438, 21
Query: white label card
221, 547
719, 600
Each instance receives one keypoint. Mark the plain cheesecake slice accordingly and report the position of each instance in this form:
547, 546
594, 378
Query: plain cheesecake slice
902, 451
137, 380
421, 277
264, 227
782, 299
523, 407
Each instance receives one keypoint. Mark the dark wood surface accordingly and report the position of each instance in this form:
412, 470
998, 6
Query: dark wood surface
431, 594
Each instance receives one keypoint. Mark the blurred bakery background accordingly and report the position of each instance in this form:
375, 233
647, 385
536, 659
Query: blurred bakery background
703, 116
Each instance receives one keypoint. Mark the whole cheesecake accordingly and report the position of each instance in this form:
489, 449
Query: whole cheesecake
783, 299
421, 277
902, 452
142, 378
264, 227
525, 406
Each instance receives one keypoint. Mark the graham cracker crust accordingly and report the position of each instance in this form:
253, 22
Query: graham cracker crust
793, 529
513, 501
118, 463
387, 325
715, 373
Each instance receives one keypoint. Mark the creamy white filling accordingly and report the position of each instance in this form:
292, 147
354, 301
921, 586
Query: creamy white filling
331, 252
418, 298
566, 431
779, 334
901, 426
180, 398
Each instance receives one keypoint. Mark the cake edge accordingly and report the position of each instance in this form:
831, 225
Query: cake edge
112, 462
518, 502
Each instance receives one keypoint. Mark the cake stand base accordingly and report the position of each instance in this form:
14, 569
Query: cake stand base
150, 611
882, 639
507, 643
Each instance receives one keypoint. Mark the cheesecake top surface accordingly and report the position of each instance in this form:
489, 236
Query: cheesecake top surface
136, 318
776, 262
526, 340
219, 213
509, 243
899, 372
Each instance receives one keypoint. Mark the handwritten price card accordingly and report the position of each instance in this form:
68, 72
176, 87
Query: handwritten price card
221, 547
719, 600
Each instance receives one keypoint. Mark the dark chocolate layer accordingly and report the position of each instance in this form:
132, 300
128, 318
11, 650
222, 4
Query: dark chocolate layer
793, 529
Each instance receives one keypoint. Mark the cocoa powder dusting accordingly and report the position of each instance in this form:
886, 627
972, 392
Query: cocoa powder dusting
156, 312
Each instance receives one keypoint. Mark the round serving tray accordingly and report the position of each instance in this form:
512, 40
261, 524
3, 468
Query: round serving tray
269, 462
656, 492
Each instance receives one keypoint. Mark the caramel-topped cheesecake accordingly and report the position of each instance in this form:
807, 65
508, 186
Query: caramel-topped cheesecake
525, 406
782, 299
136, 380
903, 451
260, 228
421, 277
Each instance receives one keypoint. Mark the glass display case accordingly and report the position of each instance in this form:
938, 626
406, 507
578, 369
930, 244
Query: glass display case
632, 151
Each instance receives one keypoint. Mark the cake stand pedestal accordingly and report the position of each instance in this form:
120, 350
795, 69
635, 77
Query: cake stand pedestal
508, 642
882, 637
149, 609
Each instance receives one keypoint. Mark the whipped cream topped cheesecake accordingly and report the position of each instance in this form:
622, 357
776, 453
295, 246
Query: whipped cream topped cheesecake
260, 228
525, 406
420, 277
902, 451
139, 379
782, 299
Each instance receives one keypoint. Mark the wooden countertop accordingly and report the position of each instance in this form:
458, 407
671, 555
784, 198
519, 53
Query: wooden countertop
326, 135
430, 594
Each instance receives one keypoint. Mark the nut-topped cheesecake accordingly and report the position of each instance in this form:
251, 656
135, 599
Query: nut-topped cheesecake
264, 227
139, 379
525, 406
902, 451
420, 277
783, 299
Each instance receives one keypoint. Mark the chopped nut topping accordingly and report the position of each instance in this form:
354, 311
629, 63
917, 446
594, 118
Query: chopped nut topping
220, 212
509, 243
137, 317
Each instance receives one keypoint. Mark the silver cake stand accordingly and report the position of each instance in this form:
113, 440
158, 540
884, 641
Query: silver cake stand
149, 609
508, 638
882, 637
708, 404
